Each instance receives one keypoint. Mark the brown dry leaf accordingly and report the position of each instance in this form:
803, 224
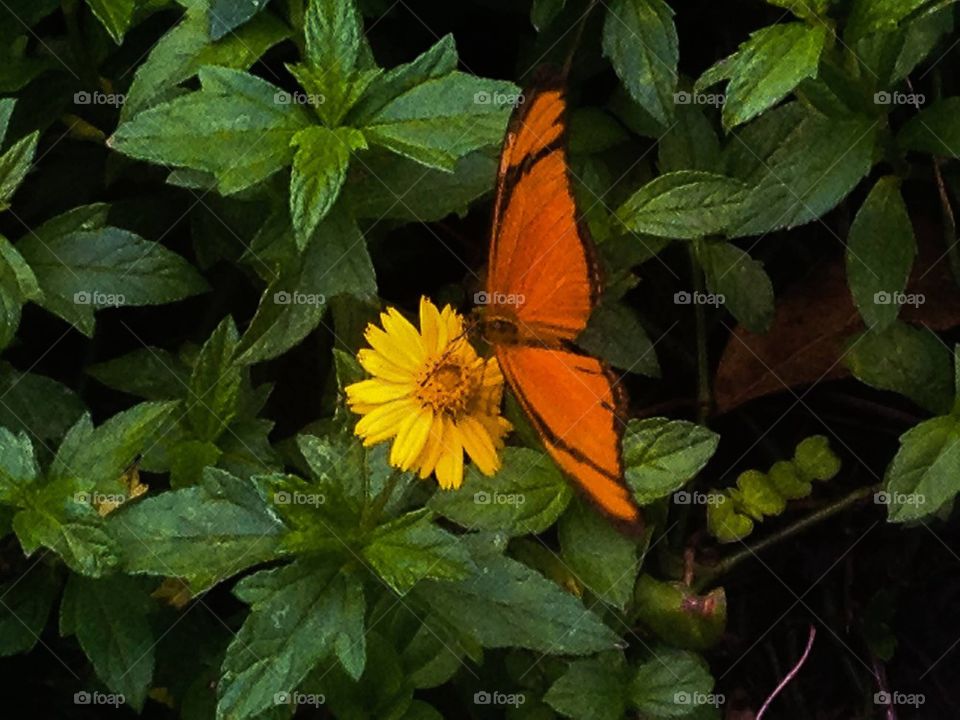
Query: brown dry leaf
813, 323
173, 591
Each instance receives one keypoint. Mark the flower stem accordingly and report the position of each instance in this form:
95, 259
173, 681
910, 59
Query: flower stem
371, 515
709, 575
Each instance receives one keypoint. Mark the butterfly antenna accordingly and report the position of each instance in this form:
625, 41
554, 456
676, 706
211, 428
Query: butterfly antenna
581, 24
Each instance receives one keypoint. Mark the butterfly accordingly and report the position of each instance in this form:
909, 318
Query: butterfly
543, 282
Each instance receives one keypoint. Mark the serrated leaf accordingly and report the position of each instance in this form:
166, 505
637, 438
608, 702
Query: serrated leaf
319, 171
686, 205
507, 604
526, 496
237, 127
640, 39
300, 614
411, 548
745, 286
25, 603
871, 16
614, 333
691, 143
905, 359
767, 68
203, 534
71, 529
37, 405
110, 619
150, 373
18, 467
115, 15
592, 689
602, 558
934, 129
671, 684
14, 165
924, 474
660, 455
82, 271
227, 15
214, 386
801, 165
880, 253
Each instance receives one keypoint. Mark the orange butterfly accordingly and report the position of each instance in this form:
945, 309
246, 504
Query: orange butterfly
542, 284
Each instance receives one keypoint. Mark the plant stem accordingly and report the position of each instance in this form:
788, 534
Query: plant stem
373, 512
711, 574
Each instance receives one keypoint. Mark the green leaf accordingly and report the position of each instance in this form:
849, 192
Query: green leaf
411, 548
105, 453
214, 386
744, 284
300, 615
925, 474
679, 616
907, 360
334, 33
526, 496
319, 171
507, 604
18, 467
543, 12
767, 68
25, 603
227, 15
599, 555
115, 15
691, 143
237, 127
37, 405
686, 205
71, 529
801, 165
150, 373
110, 619
14, 165
443, 119
670, 684
82, 271
204, 534
615, 334
806, 9
934, 129
592, 689
335, 263
182, 51
872, 16
880, 253
640, 39
661, 455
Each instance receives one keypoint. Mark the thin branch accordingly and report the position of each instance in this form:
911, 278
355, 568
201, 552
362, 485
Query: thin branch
790, 675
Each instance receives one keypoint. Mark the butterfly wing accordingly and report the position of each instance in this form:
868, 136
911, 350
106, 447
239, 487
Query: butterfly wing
541, 253
575, 407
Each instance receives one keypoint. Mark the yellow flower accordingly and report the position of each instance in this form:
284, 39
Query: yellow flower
431, 393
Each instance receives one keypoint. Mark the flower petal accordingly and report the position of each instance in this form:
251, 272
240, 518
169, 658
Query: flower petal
394, 349
430, 327
427, 461
382, 422
450, 463
411, 437
378, 366
376, 391
478, 444
404, 334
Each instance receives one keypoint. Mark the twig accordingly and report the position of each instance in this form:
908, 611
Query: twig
881, 674
790, 675
704, 394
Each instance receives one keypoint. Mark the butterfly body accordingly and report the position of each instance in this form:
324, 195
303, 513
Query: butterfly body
543, 283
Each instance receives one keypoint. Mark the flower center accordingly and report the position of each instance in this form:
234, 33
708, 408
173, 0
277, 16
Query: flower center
447, 386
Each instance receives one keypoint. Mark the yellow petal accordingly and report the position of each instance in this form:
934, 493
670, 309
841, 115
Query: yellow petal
381, 423
404, 334
427, 461
394, 349
376, 392
411, 437
451, 323
377, 365
430, 326
476, 441
450, 463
